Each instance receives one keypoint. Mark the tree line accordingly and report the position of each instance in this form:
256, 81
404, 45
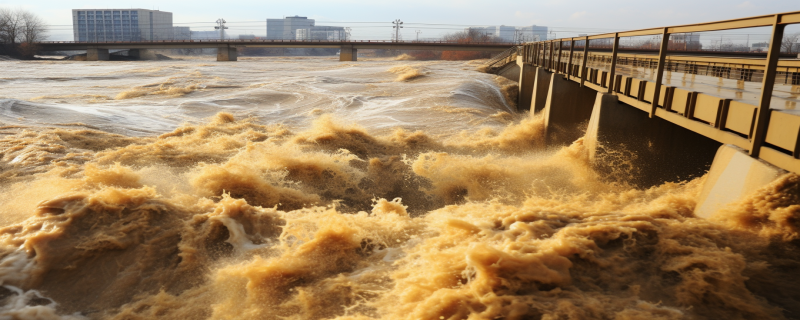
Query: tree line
467, 36
19, 30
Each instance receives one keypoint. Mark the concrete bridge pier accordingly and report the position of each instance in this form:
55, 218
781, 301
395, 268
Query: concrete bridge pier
733, 176
567, 110
527, 78
96, 54
138, 53
626, 142
541, 85
348, 53
227, 53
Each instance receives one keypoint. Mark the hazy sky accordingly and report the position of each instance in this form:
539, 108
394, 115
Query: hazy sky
564, 16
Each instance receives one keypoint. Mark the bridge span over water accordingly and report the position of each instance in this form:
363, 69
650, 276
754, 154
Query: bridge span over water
658, 112
226, 49
669, 113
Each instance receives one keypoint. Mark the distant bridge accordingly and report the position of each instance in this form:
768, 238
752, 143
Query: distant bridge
226, 49
668, 112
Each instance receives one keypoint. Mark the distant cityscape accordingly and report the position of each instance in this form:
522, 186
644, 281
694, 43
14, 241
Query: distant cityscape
94, 25
98, 25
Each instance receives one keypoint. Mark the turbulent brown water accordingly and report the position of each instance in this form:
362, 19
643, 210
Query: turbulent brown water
359, 193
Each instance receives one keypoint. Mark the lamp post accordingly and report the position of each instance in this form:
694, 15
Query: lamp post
397, 24
221, 27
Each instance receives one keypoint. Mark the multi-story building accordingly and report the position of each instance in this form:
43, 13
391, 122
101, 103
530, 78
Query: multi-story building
286, 28
512, 34
121, 25
302, 28
321, 33
532, 33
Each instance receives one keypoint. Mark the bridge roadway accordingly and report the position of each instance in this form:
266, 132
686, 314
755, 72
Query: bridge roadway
671, 115
226, 49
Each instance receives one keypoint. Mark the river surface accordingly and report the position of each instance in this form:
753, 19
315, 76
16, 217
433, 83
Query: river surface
308, 188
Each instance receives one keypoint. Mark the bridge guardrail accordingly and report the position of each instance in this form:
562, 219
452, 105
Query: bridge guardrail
283, 41
735, 110
503, 58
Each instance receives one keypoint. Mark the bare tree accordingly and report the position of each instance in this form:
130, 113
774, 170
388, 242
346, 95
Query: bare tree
33, 28
11, 25
20, 30
791, 43
3, 23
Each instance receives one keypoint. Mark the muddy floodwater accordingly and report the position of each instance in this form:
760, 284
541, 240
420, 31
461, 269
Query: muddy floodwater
308, 188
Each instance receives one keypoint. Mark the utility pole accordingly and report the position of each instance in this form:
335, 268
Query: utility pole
418, 32
397, 24
221, 27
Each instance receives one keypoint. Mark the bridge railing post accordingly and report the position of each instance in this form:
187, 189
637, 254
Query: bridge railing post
552, 54
569, 64
543, 54
584, 67
528, 54
524, 54
560, 50
662, 58
613, 71
768, 83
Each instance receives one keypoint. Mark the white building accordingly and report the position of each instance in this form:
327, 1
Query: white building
532, 33
513, 34
324, 33
94, 25
302, 28
286, 29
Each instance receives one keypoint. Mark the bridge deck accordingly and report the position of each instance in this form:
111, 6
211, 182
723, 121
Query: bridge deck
191, 44
748, 100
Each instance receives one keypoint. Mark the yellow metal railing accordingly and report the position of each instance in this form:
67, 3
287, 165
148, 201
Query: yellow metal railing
503, 58
597, 61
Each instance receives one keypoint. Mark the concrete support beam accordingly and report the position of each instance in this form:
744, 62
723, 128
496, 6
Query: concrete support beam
95, 54
510, 71
348, 53
733, 175
567, 110
227, 53
139, 54
625, 143
527, 78
135, 53
541, 85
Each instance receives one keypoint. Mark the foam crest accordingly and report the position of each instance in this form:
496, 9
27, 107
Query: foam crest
233, 218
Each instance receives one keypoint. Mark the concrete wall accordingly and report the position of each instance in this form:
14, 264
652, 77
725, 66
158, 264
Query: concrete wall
541, 85
227, 54
527, 78
733, 175
567, 110
97, 55
510, 71
348, 53
625, 142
